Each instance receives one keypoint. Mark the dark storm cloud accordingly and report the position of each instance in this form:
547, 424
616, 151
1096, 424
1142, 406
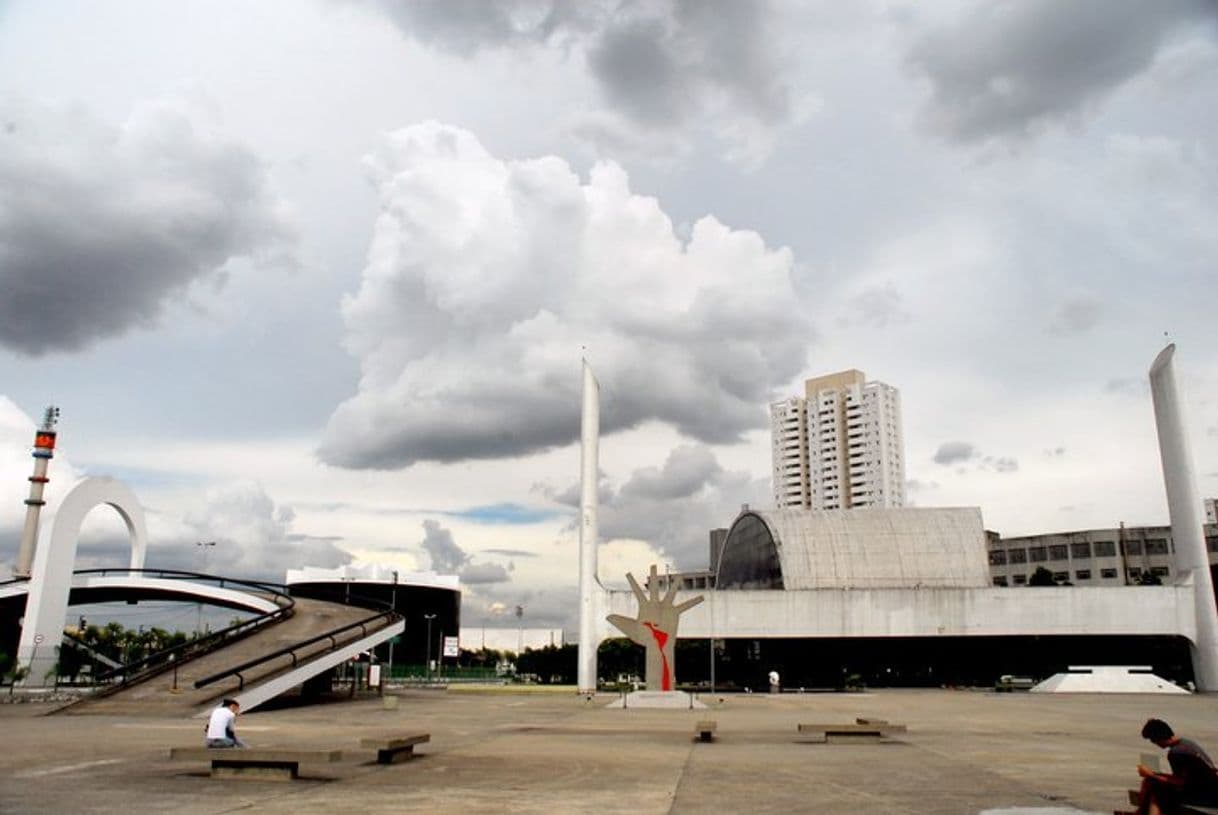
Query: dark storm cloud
1004, 68
951, 452
687, 469
101, 226
658, 64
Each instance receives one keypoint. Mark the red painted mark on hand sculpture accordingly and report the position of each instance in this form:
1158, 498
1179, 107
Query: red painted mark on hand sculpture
661, 638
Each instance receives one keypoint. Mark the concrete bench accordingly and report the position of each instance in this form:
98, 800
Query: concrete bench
392, 749
269, 763
706, 730
856, 732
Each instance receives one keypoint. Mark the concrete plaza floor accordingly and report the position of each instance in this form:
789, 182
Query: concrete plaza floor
493, 752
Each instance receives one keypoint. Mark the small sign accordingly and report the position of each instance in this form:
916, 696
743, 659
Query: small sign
374, 675
38, 639
452, 647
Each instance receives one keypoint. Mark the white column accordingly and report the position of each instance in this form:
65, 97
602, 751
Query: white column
1184, 506
588, 584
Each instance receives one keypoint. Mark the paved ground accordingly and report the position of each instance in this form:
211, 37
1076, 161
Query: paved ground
965, 752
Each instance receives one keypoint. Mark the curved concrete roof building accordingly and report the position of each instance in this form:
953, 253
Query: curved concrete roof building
857, 548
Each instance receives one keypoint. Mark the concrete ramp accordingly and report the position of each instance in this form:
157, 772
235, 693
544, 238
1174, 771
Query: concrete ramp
1107, 679
173, 692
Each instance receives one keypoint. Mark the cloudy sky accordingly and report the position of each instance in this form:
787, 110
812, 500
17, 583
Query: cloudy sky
315, 277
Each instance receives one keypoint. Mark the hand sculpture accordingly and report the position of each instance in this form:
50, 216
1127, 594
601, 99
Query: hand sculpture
656, 628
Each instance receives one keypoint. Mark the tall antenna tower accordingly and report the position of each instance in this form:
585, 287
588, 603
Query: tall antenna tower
44, 451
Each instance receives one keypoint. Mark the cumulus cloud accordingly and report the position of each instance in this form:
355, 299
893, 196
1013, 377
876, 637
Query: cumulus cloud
672, 508
101, 226
449, 558
961, 452
486, 277
660, 66
252, 537
1005, 68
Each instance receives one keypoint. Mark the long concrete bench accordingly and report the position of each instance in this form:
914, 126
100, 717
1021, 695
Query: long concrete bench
270, 763
856, 732
392, 749
706, 729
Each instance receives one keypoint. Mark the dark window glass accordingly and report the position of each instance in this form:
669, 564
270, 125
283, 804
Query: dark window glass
1058, 552
1080, 550
1135, 571
1000, 581
1156, 546
1019, 555
1131, 547
998, 558
1019, 579
750, 556
1107, 572
1036, 554
1060, 576
1161, 571
1105, 549
1212, 544
1082, 574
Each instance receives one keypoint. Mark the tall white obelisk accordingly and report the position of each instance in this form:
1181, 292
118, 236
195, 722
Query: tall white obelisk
1184, 507
589, 435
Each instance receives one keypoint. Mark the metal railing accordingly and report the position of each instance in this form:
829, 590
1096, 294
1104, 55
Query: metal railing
238, 671
163, 660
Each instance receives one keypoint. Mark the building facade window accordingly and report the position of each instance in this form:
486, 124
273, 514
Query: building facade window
1132, 547
1134, 572
1082, 574
1080, 551
998, 558
1018, 555
1000, 580
1105, 549
1036, 554
1108, 573
1160, 571
1156, 546
1058, 552
1019, 579
1061, 577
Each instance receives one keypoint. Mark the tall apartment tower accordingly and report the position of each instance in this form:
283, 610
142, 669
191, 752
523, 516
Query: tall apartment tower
839, 446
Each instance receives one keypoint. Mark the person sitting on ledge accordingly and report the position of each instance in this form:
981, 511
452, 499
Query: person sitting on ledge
1193, 778
222, 726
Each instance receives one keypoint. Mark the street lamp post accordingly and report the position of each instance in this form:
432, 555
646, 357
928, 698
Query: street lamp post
203, 547
395, 609
429, 618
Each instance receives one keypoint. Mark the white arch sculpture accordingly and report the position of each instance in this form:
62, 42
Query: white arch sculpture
46, 607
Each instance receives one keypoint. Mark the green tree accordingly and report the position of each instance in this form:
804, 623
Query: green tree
1041, 577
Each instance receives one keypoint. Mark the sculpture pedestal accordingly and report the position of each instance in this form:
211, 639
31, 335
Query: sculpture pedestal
654, 699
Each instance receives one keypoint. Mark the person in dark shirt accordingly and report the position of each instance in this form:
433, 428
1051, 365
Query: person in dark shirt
1193, 778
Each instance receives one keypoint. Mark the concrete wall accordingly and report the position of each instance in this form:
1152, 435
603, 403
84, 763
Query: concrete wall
1134, 610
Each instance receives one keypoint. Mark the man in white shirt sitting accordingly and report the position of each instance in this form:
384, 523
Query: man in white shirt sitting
222, 726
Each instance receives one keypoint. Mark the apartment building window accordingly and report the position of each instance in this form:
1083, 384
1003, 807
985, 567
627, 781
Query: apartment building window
1061, 577
1000, 581
1019, 555
1156, 546
1105, 549
1080, 551
1134, 572
1132, 547
1082, 574
1036, 554
1020, 579
1160, 571
1058, 552
998, 558
1108, 573
1211, 544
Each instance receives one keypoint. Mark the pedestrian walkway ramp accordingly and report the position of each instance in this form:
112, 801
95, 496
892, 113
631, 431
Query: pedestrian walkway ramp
313, 639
